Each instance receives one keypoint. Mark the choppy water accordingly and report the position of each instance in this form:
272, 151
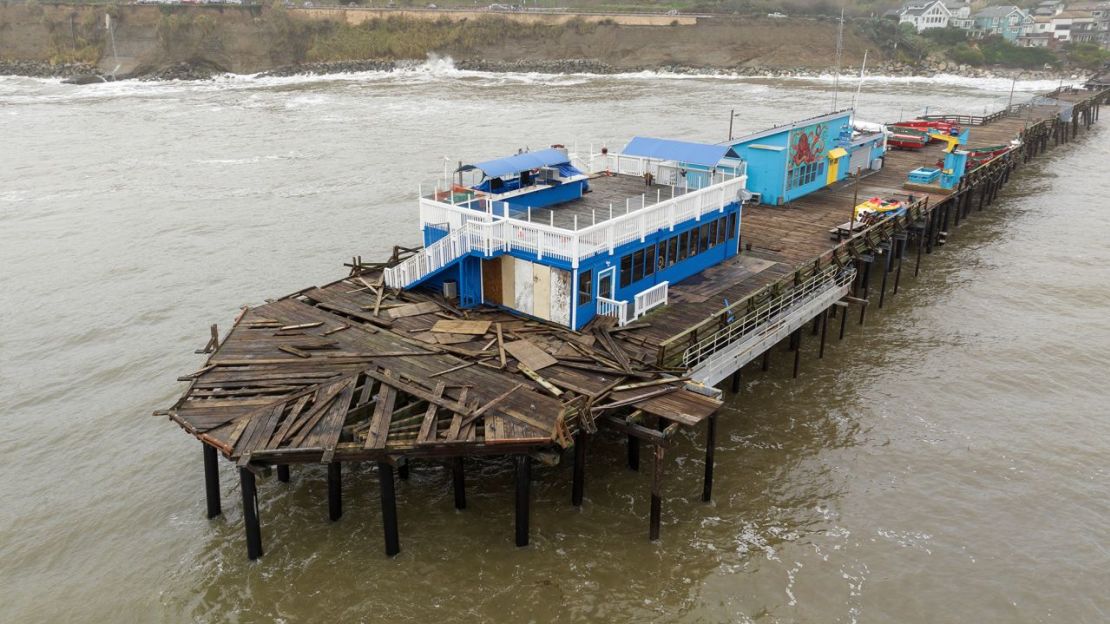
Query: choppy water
947, 463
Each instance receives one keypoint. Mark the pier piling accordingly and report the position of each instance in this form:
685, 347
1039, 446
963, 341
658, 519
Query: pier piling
579, 478
389, 508
458, 482
523, 497
283, 473
335, 493
656, 495
710, 444
211, 481
250, 514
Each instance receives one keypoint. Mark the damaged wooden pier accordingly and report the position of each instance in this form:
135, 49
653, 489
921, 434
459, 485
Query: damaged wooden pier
360, 371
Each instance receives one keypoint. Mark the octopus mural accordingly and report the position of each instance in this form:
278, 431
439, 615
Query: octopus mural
807, 145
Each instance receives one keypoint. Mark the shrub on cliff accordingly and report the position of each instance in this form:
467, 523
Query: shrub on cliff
966, 55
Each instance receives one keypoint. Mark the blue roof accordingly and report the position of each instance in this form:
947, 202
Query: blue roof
704, 154
521, 162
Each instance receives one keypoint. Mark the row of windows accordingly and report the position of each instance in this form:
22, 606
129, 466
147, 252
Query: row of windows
645, 262
804, 174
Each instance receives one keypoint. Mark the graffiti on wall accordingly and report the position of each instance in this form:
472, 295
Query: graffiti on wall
807, 145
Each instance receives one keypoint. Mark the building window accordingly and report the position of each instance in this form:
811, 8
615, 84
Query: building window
804, 174
693, 242
732, 226
649, 261
705, 237
722, 229
672, 251
638, 266
713, 233
662, 255
626, 271
585, 287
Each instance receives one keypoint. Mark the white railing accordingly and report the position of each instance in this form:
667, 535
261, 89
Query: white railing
613, 308
429, 260
767, 320
664, 171
490, 228
651, 298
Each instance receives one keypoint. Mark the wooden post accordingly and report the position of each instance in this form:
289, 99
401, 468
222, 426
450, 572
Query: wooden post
523, 496
824, 332
901, 255
656, 496
458, 479
250, 514
211, 480
335, 491
389, 508
578, 481
797, 350
735, 385
710, 444
283, 473
403, 470
866, 288
633, 452
886, 271
843, 322
766, 361
920, 243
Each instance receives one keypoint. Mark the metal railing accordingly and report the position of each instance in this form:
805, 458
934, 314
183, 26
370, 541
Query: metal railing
769, 317
651, 298
613, 308
429, 260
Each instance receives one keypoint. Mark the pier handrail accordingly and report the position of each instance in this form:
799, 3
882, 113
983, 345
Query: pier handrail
613, 308
768, 315
650, 298
502, 232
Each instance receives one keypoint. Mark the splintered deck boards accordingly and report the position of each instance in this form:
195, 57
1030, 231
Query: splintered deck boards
317, 375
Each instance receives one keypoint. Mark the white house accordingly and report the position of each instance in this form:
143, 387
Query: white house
924, 14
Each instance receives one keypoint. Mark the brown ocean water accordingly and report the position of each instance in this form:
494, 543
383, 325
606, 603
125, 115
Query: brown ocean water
947, 462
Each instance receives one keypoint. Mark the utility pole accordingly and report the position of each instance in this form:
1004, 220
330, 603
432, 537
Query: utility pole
839, 51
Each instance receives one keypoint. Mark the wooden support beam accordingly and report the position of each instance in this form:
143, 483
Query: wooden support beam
656, 496
886, 271
579, 477
458, 481
735, 383
901, 257
710, 445
766, 361
797, 351
633, 452
335, 492
250, 514
211, 481
389, 508
523, 497
824, 332
283, 473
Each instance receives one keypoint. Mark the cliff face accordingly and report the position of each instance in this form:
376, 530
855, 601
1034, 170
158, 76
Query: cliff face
252, 39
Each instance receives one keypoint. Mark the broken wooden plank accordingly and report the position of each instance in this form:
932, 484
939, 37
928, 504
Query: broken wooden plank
300, 326
413, 309
475, 328
419, 392
528, 354
536, 377
500, 346
294, 351
428, 426
492, 404
383, 413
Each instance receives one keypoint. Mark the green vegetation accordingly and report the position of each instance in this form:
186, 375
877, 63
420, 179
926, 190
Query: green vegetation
998, 51
1087, 55
397, 38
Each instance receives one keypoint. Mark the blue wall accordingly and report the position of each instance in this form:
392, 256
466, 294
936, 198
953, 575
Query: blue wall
673, 274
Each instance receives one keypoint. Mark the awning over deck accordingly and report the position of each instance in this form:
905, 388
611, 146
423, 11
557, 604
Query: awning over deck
527, 161
704, 154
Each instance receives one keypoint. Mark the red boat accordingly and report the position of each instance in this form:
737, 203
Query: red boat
946, 127
907, 138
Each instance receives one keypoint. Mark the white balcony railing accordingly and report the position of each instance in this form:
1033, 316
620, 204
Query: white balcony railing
613, 308
651, 298
493, 229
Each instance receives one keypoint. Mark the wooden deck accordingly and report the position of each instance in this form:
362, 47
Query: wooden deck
609, 196
776, 241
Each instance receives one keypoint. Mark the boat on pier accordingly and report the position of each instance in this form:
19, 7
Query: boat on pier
557, 297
